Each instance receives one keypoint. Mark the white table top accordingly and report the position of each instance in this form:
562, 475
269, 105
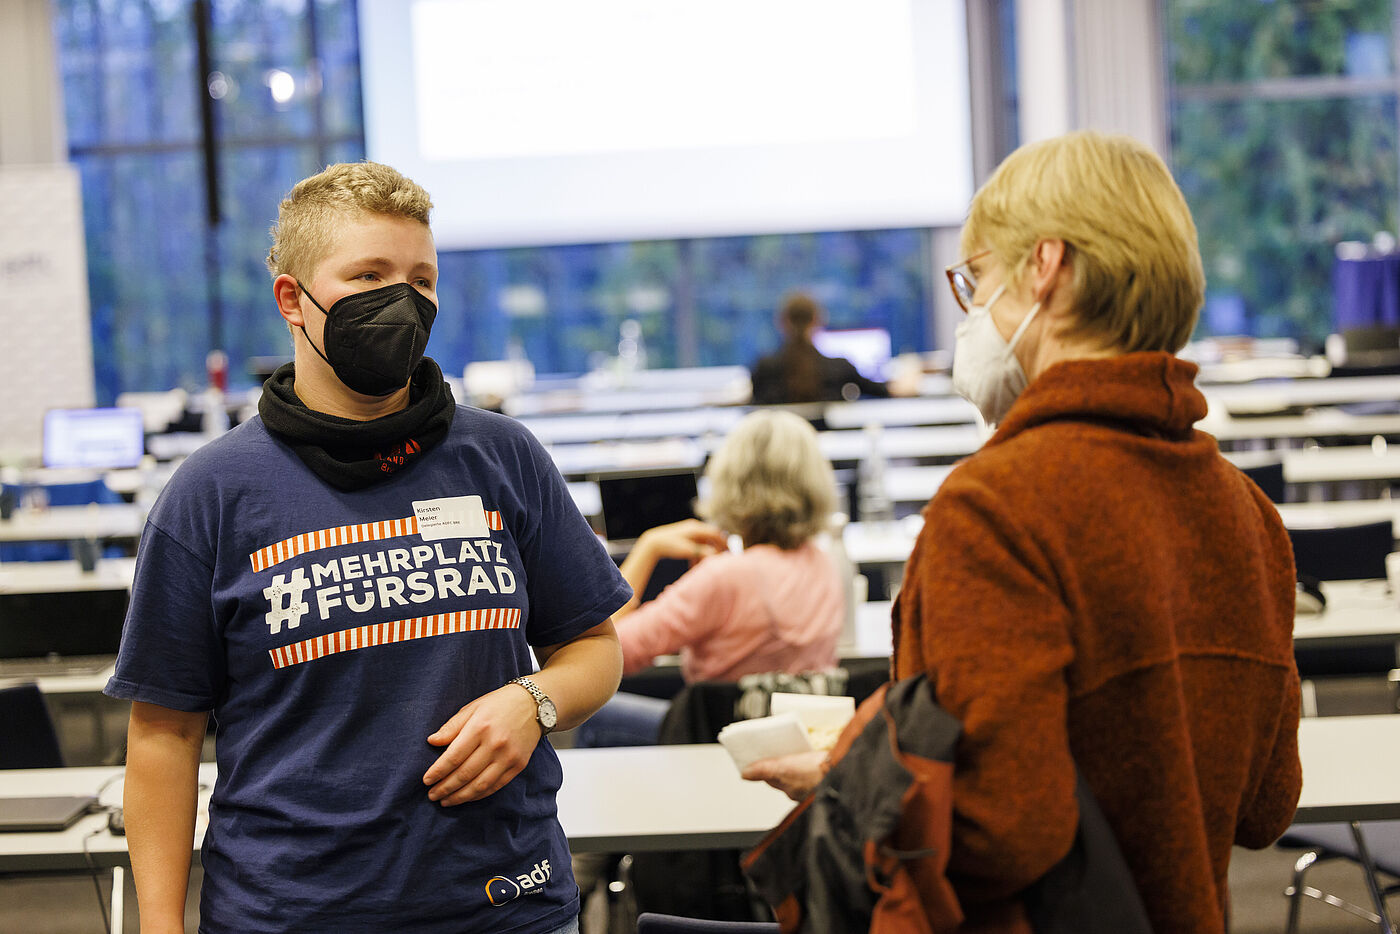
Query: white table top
1356, 610
1349, 768
1315, 424
1364, 610
1333, 514
668, 797
928, 441
66, 576
1284, 394
882, 542
1337, 464
892, 542
632, 426
67, 523
874, 632
940, 410
625, 799
575, 460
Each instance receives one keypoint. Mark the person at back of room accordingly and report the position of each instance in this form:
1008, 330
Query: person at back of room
775, 606
1097, 590
352, 583
797, 372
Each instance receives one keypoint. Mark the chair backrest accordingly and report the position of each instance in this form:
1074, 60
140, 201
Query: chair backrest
28, 739
650, 922
1351, 552
1269, 478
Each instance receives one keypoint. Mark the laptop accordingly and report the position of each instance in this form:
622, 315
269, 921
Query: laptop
43, 814
635, 502
100, 438
60, 633
867, 348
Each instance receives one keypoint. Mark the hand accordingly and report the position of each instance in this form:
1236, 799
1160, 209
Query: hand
488, 742
690, 539
795, 774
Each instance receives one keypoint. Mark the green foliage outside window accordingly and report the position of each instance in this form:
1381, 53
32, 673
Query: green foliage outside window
1283, 134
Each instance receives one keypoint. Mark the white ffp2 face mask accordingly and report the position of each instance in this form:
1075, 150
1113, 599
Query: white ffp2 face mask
985, 369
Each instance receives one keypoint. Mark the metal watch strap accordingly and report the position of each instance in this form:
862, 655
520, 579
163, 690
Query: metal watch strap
541, 698
532, 687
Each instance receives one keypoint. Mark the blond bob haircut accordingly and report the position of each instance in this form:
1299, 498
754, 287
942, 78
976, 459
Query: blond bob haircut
769, 482
1131, 244
309, 217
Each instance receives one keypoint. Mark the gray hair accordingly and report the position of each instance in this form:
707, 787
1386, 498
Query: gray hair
770, 482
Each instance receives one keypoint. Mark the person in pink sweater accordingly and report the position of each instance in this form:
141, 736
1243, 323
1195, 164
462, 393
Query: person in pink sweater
776, 605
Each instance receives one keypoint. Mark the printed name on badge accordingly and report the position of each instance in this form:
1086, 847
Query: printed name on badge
451, 517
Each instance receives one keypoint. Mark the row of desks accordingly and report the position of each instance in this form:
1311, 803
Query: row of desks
691, 797
908, 485
1361, 613
949, 442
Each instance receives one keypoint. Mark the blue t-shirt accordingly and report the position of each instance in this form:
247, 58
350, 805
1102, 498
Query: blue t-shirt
330, 633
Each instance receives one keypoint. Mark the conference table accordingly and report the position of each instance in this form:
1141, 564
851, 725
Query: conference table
691, 797
876, 543
1283, 395
74, 523
630, 799
1359, 614
66, 576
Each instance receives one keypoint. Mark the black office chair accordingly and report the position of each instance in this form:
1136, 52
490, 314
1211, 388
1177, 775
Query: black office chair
1352, 552
1269, 478
28, 739
1381, 855
652, 923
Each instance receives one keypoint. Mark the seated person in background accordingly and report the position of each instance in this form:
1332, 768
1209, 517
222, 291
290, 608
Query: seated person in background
778, 605
798, 372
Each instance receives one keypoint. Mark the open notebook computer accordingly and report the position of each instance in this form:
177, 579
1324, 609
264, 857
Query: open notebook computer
636, 501
62, 633
867, 348
43, 813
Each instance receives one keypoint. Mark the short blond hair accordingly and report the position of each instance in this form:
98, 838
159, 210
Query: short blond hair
1137, 276
769, 482
307, 217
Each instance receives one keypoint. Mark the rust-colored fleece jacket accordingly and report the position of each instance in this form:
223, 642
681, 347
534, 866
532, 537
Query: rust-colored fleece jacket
1098, 586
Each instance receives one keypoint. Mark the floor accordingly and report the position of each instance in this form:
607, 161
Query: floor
70, 904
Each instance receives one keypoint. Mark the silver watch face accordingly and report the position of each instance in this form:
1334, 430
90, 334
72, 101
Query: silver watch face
548, 715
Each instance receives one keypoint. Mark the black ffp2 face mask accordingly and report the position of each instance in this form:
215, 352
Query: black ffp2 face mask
375, 340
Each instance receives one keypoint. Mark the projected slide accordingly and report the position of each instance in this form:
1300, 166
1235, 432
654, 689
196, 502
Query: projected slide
565, 121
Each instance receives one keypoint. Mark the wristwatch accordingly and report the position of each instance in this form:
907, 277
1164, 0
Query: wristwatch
545, 712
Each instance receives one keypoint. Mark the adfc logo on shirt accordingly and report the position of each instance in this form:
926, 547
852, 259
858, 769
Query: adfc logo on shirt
502, 889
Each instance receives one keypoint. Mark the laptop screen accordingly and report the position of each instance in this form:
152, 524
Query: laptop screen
77, 622
867, 348
95, 438
634, 503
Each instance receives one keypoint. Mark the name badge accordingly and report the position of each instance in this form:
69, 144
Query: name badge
451, 517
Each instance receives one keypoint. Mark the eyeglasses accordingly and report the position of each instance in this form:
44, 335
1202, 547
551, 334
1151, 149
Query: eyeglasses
962, 281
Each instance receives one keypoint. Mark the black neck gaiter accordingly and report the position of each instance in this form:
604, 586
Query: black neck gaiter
351, 455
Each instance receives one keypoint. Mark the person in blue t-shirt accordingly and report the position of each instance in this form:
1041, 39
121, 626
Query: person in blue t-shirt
352, 583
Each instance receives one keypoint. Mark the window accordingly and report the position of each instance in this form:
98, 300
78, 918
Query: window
166, 283
1283, 134
169, 282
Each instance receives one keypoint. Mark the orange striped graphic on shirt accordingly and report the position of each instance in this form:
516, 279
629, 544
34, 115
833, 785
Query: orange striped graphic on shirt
400, 630
288, 548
